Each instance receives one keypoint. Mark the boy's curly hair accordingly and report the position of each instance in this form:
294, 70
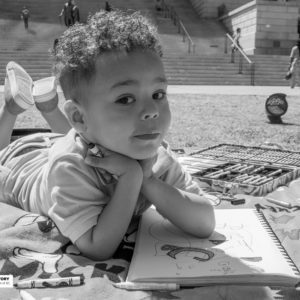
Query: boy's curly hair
78, 48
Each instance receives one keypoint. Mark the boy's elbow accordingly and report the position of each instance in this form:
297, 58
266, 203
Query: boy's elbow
98, 254
92, 250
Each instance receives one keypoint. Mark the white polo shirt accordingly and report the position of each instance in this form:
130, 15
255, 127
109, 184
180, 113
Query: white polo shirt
55, 181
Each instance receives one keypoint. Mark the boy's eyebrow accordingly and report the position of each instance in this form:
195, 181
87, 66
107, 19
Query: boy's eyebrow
124, 83
160, 80
136, 82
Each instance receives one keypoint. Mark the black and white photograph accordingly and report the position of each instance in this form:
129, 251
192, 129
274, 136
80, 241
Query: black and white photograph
150, 149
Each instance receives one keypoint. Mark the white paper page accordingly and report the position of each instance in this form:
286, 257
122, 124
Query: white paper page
239, 245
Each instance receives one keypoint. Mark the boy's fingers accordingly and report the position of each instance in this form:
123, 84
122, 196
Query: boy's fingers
94, 161
98, 162
105, 151
100, 152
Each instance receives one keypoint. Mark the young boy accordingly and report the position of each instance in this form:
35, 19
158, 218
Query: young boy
112, 76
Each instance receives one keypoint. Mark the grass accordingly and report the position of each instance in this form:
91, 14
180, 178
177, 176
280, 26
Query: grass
206, 120
200, 121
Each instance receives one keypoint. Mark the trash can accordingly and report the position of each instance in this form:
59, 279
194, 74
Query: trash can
276, 106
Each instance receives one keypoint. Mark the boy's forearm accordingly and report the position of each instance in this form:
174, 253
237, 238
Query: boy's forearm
102, 241
190, 212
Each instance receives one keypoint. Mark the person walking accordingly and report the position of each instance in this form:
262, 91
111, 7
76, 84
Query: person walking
158, 5
75, 13
108, 7
25, 14
236, 39
67, 13
294, 67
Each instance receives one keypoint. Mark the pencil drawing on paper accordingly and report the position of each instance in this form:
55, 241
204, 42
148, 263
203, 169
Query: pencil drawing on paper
202, 254
226, 246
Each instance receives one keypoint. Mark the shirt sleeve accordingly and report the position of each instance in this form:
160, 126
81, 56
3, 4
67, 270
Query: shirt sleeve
77, 199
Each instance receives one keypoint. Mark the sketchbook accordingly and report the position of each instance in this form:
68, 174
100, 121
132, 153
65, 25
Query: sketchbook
243, 249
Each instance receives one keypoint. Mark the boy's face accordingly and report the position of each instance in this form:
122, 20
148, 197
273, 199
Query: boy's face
127, 110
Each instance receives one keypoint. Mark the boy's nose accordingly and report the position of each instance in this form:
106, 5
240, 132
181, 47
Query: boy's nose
150, 112
150, 116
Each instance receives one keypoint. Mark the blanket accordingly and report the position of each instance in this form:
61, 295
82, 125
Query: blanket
32, 247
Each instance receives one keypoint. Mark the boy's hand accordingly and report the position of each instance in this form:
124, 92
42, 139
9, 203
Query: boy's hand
114, 163
147, 165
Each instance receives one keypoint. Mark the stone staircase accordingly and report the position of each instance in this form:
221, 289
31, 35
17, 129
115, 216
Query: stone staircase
218, 70
37, 64
208, 66
203, 70
180, 69
208, 35
48, 11
270, 69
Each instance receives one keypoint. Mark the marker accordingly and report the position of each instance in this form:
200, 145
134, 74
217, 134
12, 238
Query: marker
251, 178
260, 178
259, 169
99, 153
26, 296
231, 167
241, 177
247, 168
280, 203
220, 174
237, 168
279, 171
92, 147
136, 286
214, 173
50, 282
95, 150
264, 180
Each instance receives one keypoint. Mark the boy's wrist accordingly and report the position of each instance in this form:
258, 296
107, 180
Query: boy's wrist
146, 181
133, 171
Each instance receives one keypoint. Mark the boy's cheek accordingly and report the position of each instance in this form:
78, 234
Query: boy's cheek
166, 115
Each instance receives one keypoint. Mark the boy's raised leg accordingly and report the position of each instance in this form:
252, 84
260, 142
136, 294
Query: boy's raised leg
17, 98
46, 101
56, 120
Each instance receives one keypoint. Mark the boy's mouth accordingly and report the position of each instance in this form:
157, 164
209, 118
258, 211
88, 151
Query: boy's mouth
147, 136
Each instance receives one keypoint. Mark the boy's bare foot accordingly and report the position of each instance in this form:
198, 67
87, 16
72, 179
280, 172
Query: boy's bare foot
17, 89
45, 94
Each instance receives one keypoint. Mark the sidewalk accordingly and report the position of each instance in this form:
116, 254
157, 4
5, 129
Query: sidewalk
225, 90
232, 90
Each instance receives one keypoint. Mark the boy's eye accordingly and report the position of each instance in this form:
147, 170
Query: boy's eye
159, 95
125, 100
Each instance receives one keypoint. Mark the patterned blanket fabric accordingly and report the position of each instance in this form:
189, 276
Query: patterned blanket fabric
32, 247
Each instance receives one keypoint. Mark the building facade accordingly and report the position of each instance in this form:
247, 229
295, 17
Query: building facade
268, 26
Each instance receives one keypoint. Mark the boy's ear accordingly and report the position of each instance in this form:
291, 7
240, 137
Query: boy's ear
75, 115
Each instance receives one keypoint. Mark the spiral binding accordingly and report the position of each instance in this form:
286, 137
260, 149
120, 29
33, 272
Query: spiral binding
272, 234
